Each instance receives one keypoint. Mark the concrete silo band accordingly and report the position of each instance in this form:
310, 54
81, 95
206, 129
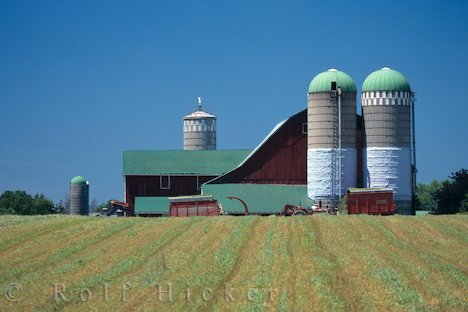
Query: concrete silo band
79, 199
387, 167
320, 167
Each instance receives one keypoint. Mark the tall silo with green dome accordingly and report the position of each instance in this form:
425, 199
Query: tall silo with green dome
79, 196
331, 153
387, 103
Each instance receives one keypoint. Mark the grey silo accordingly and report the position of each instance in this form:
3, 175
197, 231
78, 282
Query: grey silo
322, 120
386, 125
387, 146
79, 196
326, 91
199, 130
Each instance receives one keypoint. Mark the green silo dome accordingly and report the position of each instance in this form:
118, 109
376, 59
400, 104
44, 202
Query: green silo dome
386, 79
78, 180
322, 82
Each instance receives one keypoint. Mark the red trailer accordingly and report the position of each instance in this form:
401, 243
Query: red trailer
192, 206
372, 201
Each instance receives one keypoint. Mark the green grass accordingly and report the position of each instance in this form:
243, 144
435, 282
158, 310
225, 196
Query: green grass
317, 263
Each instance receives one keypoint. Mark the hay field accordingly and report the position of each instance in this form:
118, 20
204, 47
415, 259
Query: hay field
313, 263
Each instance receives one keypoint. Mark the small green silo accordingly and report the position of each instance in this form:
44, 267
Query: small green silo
79, 196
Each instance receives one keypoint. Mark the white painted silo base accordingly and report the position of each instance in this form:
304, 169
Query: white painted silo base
388, 167
319, 172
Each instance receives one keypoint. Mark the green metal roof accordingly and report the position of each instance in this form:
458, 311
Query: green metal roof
422, 212
260, 198
182, 162
151, 205
368, 189
385, 79
322, 82
78, 180
190, 198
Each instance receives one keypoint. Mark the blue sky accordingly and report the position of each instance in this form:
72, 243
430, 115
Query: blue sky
81, 81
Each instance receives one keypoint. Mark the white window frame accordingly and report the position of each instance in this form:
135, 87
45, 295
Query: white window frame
165, 187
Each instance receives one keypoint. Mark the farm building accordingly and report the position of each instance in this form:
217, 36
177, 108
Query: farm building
315, 155
273, 174
153, 176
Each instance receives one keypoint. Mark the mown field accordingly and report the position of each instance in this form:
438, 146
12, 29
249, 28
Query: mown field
317, 263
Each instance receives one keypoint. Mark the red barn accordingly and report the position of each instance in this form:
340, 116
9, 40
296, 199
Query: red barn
174, 173
274, 174
280, 159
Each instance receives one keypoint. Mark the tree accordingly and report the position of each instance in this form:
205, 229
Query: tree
66, 204
425, 195
94, 205
42, 205
452, 193
60, 207
5, 211
464, 204
106, 205
19, 202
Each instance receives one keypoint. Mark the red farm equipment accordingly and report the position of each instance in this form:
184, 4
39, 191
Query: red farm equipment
291, 210
117, 209
356, 201
371, 201
192, 206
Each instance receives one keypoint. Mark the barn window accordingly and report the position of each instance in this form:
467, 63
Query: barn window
304, 128
164, 182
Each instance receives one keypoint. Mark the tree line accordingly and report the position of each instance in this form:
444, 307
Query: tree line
21, 203
445, 197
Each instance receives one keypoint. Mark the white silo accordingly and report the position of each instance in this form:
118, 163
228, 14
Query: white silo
331, 140
387, 103
199, 130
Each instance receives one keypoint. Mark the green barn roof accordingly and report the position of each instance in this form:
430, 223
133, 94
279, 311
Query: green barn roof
151, 205
322, 82
182, 162
260, 198
385, 79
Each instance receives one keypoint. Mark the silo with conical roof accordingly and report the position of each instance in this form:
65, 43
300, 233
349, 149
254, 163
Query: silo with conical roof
79, 196
387, 150
331, 151
199, 130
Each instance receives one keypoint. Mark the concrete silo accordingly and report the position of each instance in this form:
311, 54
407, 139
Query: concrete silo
79, 196
199, 130
331, 151
387, 104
